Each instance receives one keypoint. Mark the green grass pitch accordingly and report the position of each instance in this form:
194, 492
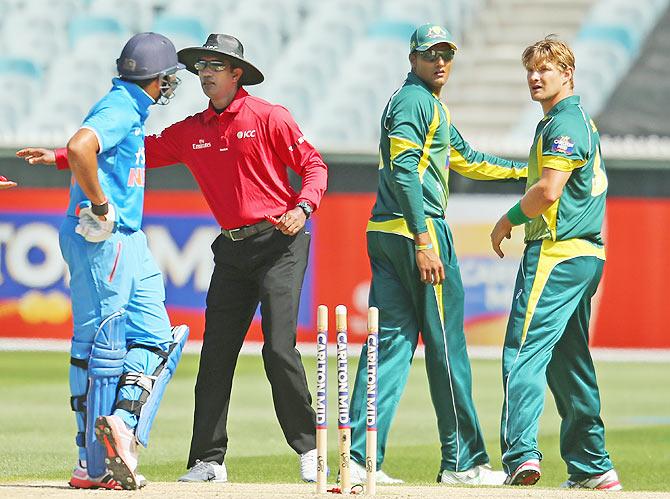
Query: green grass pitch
37, 427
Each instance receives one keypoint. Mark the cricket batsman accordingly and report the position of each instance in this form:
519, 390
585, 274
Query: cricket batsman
124, 350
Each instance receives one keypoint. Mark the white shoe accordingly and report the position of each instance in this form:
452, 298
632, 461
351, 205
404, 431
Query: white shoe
383, 479
358, 475
308, 466
527, 473
141, 480
120, 449
205, 471
606, 481
478, 475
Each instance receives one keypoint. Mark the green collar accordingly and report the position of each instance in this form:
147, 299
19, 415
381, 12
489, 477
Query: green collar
562, 104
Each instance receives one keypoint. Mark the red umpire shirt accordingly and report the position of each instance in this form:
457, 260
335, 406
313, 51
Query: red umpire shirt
239, 159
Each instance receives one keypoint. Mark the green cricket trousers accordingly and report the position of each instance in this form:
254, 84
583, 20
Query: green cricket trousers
406, 307
547, 343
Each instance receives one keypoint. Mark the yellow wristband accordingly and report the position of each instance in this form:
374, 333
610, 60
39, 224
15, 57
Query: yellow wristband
423, 247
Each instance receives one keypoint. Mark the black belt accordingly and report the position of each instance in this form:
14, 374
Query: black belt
247, 231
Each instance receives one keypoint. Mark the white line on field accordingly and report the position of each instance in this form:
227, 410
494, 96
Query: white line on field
309, 349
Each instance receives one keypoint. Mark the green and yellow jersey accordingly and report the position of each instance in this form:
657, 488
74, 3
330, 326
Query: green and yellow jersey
566, 139
418, 147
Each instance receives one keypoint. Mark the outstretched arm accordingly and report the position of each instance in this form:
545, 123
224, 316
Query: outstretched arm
476, 165
38, 155
80, 156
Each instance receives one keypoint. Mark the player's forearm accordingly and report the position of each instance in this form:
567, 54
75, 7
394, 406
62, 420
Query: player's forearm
409, 193
84, 166
422, 239
545, 192
477, 165
538, 199
480, 166
314, 181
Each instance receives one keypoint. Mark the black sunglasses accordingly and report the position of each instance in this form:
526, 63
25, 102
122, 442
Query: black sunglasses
431, 55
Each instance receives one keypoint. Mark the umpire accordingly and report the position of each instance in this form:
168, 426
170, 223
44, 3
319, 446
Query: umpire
244, 179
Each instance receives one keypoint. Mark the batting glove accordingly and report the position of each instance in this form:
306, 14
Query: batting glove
94, 230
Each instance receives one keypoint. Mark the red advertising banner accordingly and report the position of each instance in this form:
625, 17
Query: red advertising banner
342, 271
628, 310
634, 291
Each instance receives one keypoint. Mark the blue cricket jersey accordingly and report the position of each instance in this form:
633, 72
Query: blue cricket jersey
118, 121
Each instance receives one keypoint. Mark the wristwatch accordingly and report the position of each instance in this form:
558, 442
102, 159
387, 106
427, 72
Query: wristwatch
306, 208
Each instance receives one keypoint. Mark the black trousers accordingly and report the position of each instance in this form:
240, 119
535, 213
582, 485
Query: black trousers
268, 268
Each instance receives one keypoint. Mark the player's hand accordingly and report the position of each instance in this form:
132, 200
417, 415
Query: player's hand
502, 230
6, 184
431, 269
94, 228
291, 222
37, 156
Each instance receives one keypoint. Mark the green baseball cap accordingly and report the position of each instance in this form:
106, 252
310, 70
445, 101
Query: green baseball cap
428, 35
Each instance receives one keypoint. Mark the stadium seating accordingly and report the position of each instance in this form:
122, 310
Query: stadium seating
333, 63
96, 33
38, 36
606, 46
135, 15
638, 106
20, 79
183, 31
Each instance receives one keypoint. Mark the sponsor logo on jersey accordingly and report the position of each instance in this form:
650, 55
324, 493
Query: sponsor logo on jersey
245, 134
563, 144
202, 144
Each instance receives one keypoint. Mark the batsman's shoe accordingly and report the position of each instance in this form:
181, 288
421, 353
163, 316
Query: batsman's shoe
120, 448
606, 481
527, 473
81, 480
205, 471
358, 474
477, 475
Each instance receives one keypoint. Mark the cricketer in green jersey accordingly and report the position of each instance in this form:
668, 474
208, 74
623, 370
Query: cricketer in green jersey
416, 281
548, 330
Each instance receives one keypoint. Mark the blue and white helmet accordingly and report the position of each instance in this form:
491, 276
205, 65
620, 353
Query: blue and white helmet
146, 56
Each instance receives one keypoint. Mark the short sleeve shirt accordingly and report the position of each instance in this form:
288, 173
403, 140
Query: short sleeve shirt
567, 139
118, 122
